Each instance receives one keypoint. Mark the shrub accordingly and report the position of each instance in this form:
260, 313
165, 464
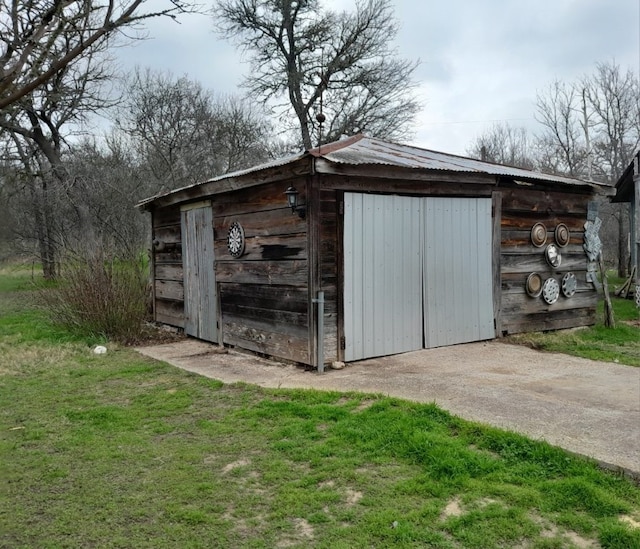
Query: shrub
101, 295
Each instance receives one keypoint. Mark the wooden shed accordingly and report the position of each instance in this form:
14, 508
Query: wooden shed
628, 190
384, 248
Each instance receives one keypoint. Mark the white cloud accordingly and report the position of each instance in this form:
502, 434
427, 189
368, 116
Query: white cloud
481, 61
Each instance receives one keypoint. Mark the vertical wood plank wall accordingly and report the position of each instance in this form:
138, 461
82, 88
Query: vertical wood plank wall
330, 262
200, 291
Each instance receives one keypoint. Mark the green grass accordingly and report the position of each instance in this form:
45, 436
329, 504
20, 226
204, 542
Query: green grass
620, 344
118, 450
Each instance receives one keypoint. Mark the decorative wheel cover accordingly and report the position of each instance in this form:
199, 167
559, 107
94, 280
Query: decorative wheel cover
554, 258
562, 235
235, 239
538, 235
534, 285
550, 290
569, 284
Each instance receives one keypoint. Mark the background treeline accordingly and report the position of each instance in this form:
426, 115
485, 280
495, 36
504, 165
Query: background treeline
80, 144
589, 129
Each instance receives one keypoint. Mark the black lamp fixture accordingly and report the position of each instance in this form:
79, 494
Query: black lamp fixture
292, 201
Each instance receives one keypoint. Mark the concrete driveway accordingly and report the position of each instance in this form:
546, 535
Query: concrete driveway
589, 408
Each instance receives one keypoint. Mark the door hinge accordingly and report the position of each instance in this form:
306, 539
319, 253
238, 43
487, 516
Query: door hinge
343, 343
341, 208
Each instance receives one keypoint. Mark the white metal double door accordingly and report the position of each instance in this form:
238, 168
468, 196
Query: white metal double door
417, 273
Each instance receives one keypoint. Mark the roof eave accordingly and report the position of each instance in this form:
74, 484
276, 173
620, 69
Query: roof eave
298, 166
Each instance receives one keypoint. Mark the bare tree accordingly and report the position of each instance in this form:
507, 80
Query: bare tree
52, 66
305, 54
563, 135
504, 144
591, 129
35, 129
38, 38
184, 134
108, 181
613, 96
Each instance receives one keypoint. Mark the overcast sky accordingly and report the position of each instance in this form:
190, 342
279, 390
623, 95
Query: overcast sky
482, 61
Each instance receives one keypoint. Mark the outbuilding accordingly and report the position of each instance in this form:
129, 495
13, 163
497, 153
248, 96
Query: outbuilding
628, 190
364, 248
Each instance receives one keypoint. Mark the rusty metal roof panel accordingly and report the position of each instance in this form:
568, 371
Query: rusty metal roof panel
361, 150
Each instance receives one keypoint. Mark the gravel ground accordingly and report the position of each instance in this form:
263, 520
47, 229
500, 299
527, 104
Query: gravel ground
589, 408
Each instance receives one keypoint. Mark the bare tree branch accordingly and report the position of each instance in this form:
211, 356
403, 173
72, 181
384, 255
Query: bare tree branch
29, 31
299, 51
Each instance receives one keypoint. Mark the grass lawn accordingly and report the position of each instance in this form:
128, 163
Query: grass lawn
620, 344
118, 450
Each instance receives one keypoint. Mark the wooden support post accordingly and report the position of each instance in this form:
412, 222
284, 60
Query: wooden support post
609, 321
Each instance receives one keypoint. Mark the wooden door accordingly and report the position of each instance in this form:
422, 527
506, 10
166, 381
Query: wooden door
200, 299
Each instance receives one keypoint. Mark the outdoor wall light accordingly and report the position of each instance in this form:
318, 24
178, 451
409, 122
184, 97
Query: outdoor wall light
292, 201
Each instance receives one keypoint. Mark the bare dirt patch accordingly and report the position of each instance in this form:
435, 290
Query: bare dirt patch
630, 521
367, 403
452, 509
303, 528
486, 501
353, 496
235, 465
580, 542
551, 531
303, 532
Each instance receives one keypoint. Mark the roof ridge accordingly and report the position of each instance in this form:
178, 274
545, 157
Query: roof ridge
335, 145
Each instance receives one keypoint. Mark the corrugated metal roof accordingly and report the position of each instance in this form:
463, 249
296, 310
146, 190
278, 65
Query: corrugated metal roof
361, 150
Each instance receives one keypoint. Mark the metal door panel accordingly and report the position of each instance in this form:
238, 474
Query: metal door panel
458, 284
382, 275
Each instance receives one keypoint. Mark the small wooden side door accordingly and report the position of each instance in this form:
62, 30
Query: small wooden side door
200, 299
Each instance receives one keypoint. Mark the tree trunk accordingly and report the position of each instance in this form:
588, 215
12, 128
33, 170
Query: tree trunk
48, 246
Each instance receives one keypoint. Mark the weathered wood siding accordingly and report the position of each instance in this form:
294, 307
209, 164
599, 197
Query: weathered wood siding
522, 207
264, 299
167, 264
330, 264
